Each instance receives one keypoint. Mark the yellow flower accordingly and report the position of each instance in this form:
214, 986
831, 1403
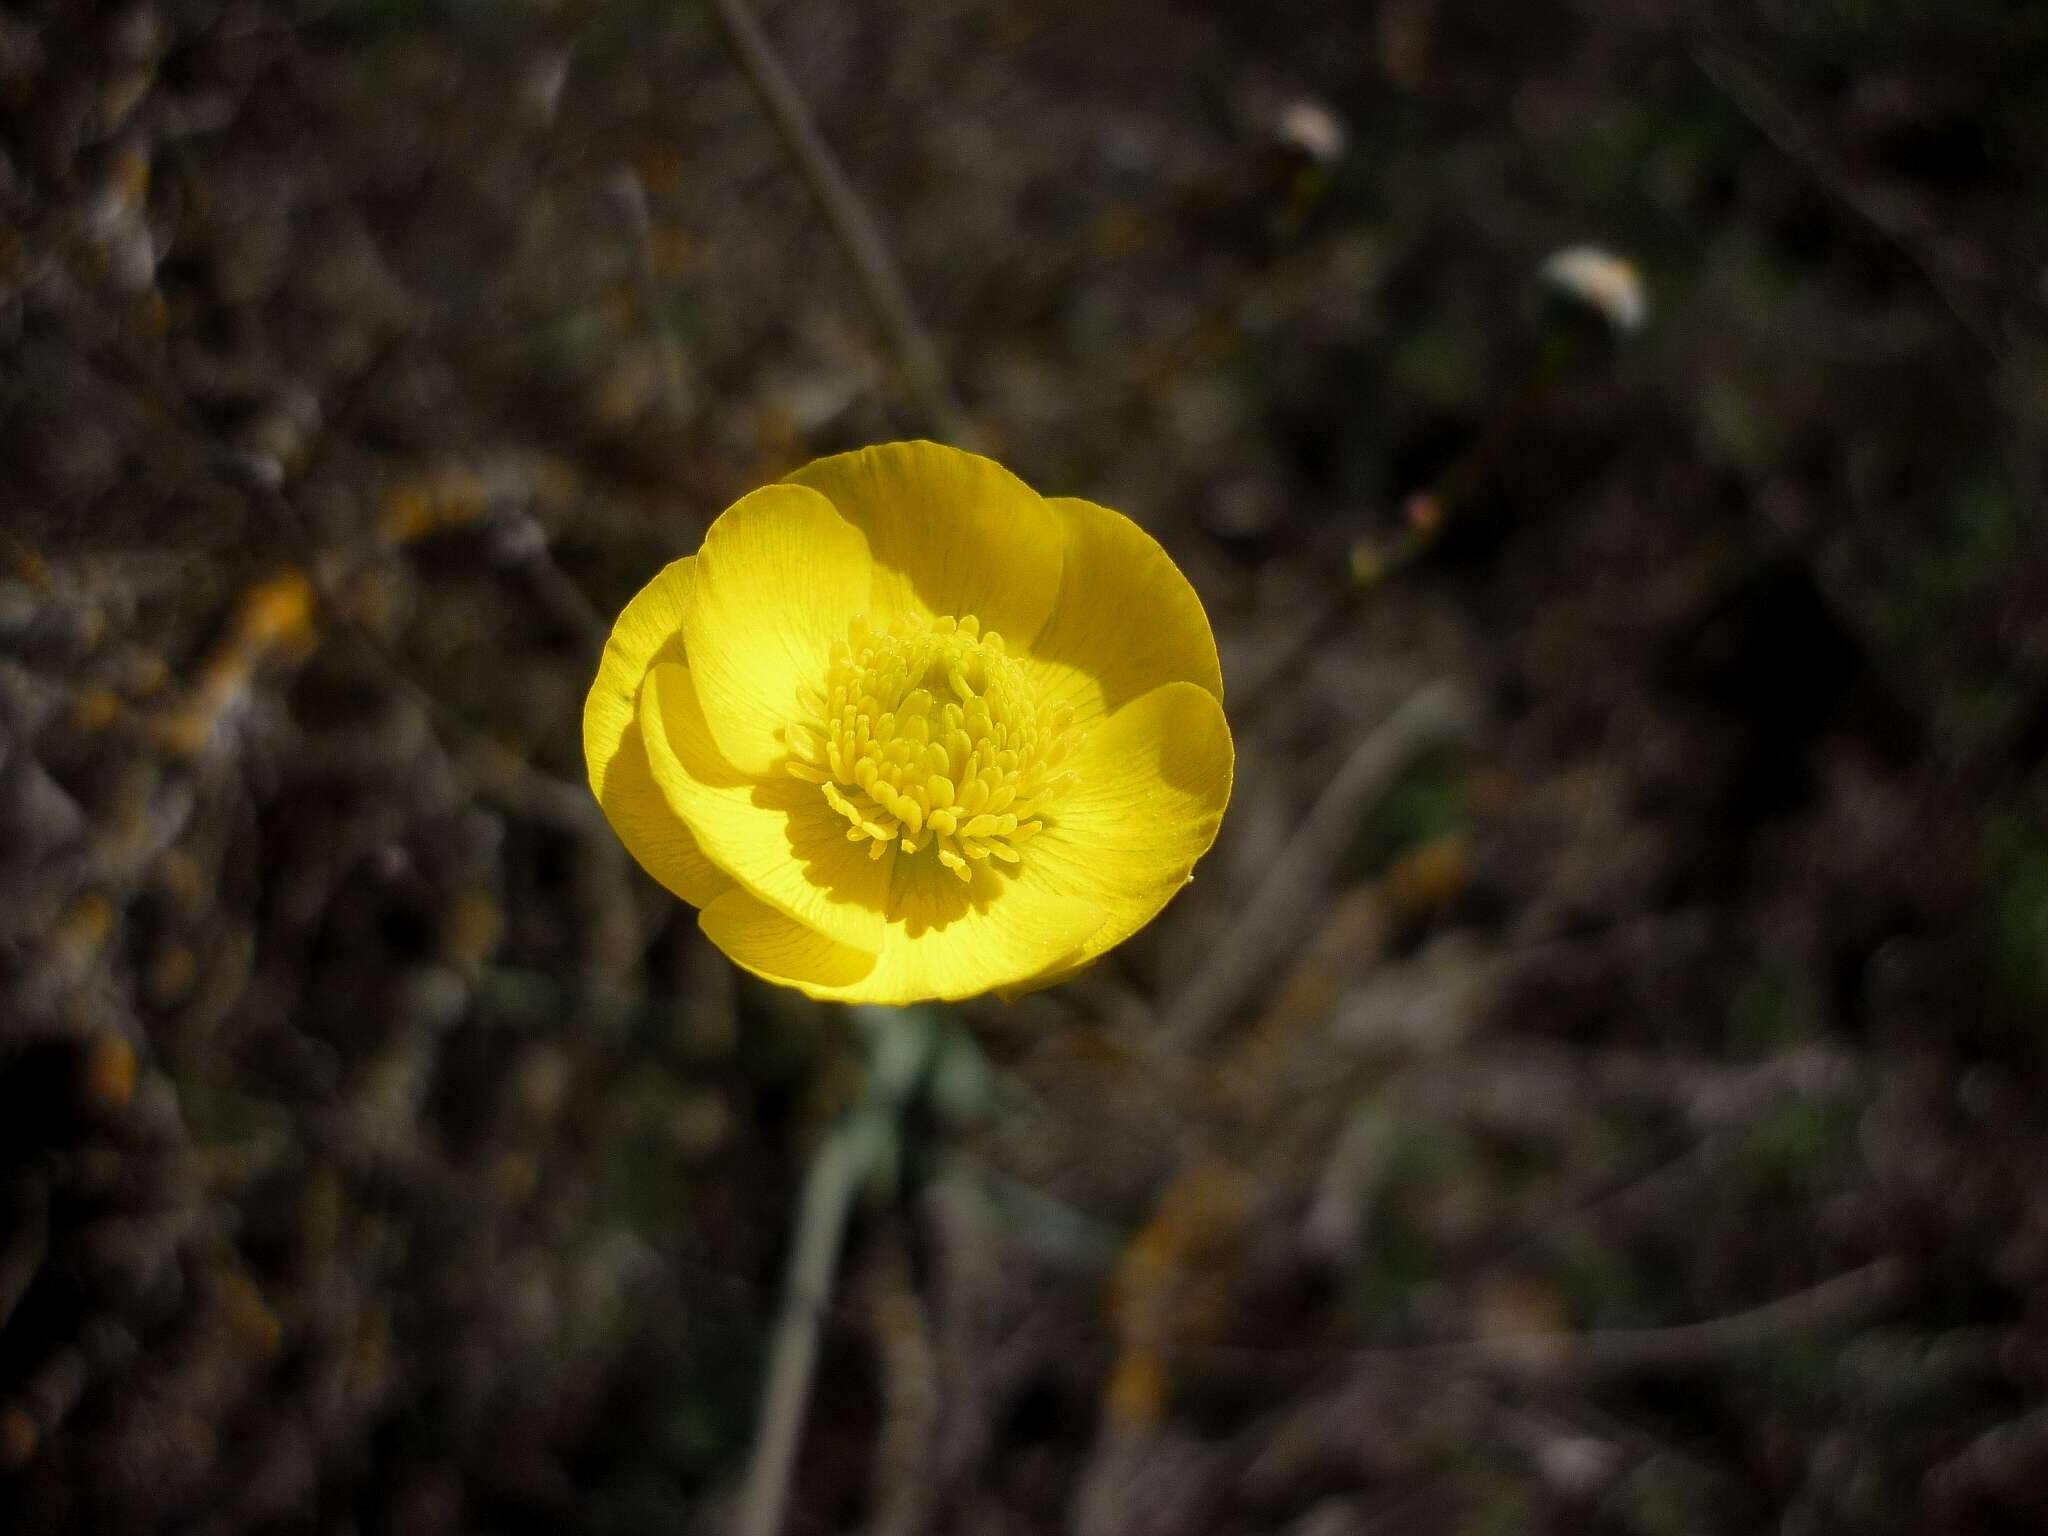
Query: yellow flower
905, 729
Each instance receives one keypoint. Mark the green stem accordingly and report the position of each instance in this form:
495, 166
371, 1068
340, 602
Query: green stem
864, 1148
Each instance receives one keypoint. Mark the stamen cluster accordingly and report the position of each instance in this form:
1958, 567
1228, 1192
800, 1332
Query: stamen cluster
932, 737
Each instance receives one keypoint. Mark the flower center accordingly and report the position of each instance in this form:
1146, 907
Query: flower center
933, 737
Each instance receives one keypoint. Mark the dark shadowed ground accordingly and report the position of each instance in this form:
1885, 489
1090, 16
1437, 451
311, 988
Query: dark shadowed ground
1635, 1126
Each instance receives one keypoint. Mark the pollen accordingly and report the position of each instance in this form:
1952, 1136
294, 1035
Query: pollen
930, 739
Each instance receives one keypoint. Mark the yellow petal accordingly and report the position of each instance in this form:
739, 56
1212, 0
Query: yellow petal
1151, 784
945, 939
950, 533
650, 630
774, 835
776, 948
1126, 620
780, 577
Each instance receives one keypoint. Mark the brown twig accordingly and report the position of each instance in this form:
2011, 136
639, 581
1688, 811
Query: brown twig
1835, 1303
1777, 124
2002, 1462
1431, 718
851, 223
904, 1349
524, 544
836, 1175
629, 195
24, 1249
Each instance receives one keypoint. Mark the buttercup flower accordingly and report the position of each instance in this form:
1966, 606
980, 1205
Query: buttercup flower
904, 729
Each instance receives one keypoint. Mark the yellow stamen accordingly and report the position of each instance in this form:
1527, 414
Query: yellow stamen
933, 737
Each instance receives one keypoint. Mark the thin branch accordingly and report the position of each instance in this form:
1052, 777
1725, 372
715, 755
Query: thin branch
852, 225
1436, 716
483, 766
629, 196
1781, 128
2005, 1460
1835, 1303
523, 543
904, 1478
1839, 1302
21, 1259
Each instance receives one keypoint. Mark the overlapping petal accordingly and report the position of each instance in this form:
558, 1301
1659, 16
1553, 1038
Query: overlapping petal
772, 834
650, 630
1152, 782
1126, 619
943, 940
950, 532
779, 578
774, 946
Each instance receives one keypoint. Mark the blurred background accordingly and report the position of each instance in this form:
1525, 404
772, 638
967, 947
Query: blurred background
1596, 1082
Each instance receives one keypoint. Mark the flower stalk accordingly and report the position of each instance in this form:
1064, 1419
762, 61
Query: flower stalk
864, 1150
